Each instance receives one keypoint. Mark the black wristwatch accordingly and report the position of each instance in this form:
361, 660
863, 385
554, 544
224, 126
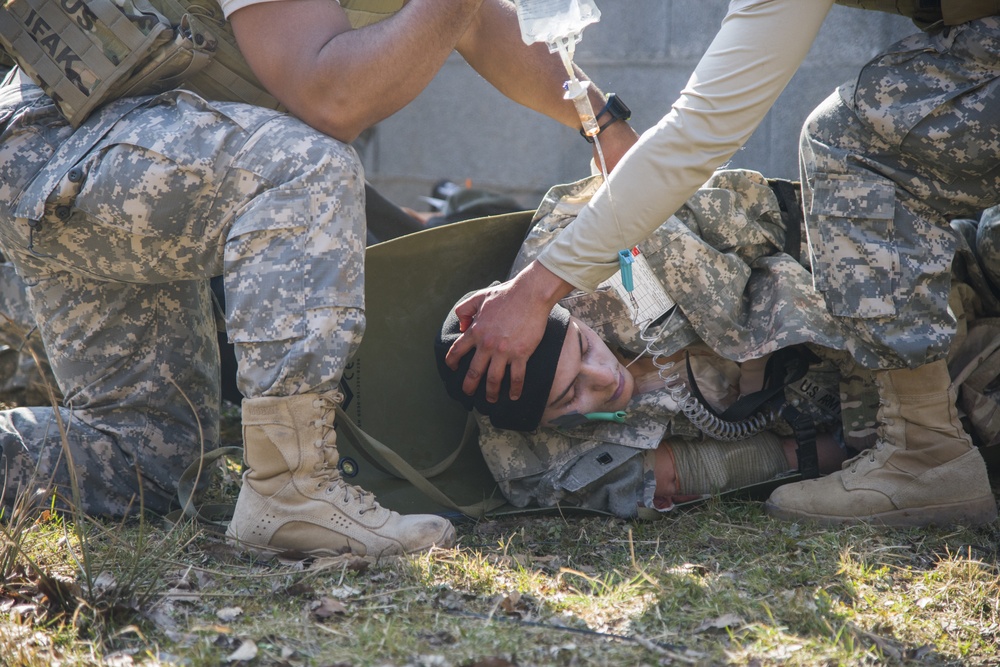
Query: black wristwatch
613, 106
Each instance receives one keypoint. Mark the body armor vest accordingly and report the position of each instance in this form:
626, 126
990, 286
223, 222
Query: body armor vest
84, 53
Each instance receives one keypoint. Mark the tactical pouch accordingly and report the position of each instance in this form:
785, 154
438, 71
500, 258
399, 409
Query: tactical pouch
81, 53
956, 12
84, 53
226, 76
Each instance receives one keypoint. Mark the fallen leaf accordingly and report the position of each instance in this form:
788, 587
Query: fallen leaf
348, 561
181, 580
512, 605
328, 607
228, 614
344, 592
548, 561
105, 582
720, 623
160, 616
120, 659
298, 589
450, 600
246, 651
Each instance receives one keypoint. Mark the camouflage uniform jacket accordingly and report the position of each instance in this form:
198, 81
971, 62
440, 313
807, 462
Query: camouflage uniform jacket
889, 159
721, 260
602, 466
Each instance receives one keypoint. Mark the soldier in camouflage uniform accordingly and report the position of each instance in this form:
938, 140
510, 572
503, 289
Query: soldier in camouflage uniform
727, 247
116, 227
887, 161
741, 297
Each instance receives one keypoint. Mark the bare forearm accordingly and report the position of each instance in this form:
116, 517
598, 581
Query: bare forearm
530, 75
340, 80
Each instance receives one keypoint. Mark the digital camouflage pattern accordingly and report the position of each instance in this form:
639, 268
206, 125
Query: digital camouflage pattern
888, 160
600, 466
116, 230
720, 259
25, 375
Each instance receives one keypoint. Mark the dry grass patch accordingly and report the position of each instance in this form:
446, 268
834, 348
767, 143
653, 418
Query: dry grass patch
720, 584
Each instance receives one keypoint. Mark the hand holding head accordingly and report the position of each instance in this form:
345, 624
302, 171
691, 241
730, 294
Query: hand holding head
525, 413
502, 325
571, 378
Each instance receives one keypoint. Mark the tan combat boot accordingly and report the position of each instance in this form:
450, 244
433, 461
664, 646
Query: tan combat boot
923, 469
293, 499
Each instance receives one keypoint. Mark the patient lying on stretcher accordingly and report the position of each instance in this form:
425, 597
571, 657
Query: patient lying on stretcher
596, 429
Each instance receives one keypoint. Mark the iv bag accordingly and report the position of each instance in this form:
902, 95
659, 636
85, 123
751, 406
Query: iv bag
553, 21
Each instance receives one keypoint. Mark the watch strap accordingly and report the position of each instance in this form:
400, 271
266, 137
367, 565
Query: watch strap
614, 106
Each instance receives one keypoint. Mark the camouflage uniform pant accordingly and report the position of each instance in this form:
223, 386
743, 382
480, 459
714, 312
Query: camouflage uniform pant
888, 160
25, 375
117, 228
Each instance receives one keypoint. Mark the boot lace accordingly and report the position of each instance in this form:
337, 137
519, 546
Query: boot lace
869, 453
326, 471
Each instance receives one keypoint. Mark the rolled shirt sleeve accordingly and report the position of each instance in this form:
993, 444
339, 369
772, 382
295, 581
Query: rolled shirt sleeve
230, 6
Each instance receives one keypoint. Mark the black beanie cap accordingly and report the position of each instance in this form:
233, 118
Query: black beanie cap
525, 413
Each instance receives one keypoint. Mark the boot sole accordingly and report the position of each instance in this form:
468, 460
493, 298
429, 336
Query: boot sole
266, 553
977, 512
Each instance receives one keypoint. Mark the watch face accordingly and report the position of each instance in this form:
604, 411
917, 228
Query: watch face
617, 108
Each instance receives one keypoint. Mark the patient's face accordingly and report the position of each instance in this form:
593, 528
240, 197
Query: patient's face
589, 377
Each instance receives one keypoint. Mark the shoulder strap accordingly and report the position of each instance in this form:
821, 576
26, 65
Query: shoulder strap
956, 12
227, 76
790, 207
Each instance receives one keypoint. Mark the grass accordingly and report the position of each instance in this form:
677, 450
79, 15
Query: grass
718, 584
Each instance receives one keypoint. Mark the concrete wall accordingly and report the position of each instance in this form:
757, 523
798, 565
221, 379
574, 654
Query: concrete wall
461, 128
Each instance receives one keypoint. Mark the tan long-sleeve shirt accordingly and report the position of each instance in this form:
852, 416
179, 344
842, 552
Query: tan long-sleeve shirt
757, 50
